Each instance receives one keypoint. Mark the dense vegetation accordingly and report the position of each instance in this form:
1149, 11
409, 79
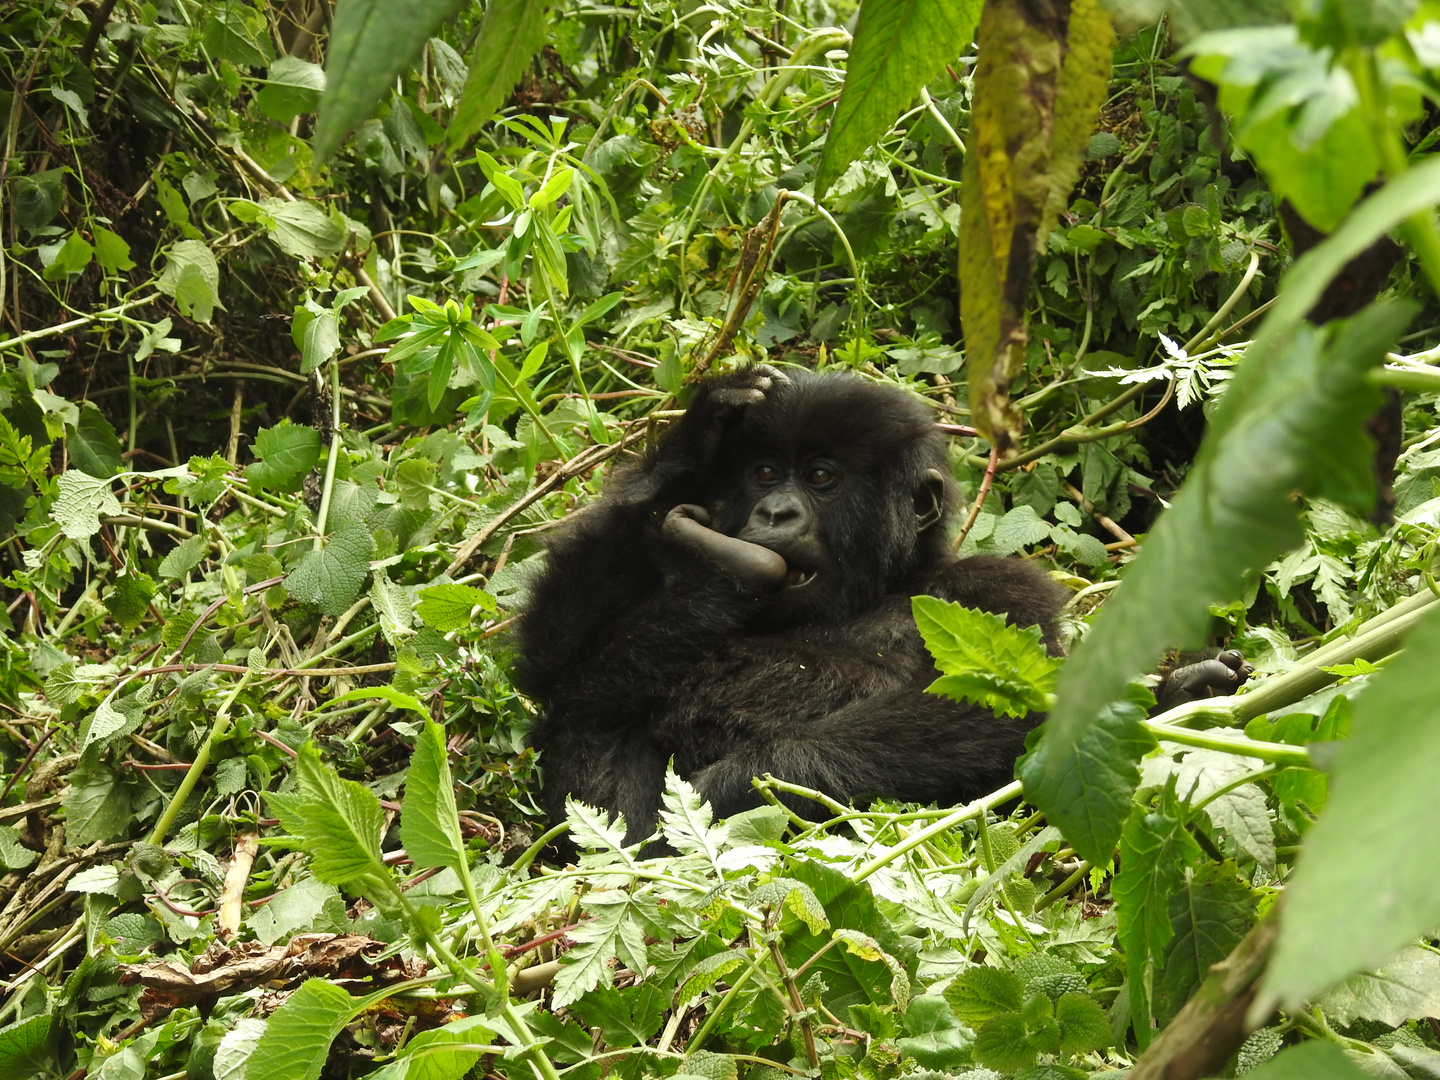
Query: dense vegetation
279, 433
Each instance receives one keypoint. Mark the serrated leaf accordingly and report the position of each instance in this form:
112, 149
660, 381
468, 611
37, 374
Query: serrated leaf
984, 659
24, 1046
1155, 851
80, 502
321, 341
392, 604
331, 577
610, 934
687, 821
451, 607
303, 229
129, 599
1405, 986
429, 825
371, 42
93, 444
707, 973
285, 453
337, 822
1363, 886
1084, 1027
184, 557
1003, 1043
899, 46
298, 1036
1209, 913
97, 806
511, 32
1088, 793
794, 896
983, 993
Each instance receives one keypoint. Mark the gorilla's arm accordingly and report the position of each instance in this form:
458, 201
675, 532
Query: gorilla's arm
907, 745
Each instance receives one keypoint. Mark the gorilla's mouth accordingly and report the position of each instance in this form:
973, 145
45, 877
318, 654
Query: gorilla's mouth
796, 578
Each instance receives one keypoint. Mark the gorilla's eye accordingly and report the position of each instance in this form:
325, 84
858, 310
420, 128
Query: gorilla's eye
819, 476
767, 474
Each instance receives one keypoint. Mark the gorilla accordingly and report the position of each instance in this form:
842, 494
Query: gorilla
739, 602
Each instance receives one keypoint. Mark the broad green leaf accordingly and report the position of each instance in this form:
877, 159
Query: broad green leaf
336, 822
1084, 1028
1087, 794
1317, 1060
427, 1056
1155, 851
80, 502
297, 1038
984, 659
24, 1046
298, 907
303, 229
237, 32
285, 453
371, 42
69, 258
707, 973
1405, 986
1364, 884
429, 826
1199, 551
128, 601
93, 445
510, 34
322, 341
1293, 418
899, 46
97, 806
983, 993
293, 87
451, 607
626, 1017
184, 557
190, 269
1004, 1043
867, 948
331, 577
1210, 912
935, 1038
111, 251
392, 603
794, 896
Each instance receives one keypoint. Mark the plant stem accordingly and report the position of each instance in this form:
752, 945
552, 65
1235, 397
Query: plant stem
202, 758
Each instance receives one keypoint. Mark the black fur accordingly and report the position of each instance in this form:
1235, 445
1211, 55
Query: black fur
640, 649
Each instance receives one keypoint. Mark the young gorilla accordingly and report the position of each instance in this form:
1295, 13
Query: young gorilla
740, 602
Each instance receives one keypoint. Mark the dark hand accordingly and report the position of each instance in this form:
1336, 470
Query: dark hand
1219, 677
755, 567
726, 404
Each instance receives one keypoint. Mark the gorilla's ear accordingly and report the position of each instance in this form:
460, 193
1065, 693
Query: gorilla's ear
929, 499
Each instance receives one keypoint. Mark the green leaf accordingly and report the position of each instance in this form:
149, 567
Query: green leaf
38, 198
984, 659
1083, 1025
452, 607
322, 341
338, 823
1405, 986
1155, 851
303, 229
71, 257
79, 503
687, 820
1309, 1061
429, 825
111, 251
1087, 791
935, 1039
98, 805
983, 993
93, 445
184, 557
511, 32
397, 698
794, 896
236, 32
192, 274
129, 600
1284, 400
331, 577
295, 86
297, 1038
426, 1056
1210, 913
1293, 418
899, 46
1364, 884
1003, 1043
285, 453
371, 42
25, 1046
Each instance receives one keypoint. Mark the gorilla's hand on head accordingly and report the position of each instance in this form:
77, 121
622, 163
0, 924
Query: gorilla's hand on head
726, 403
1219, 677
757, 568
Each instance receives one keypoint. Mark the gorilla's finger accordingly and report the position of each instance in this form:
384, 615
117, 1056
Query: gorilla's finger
753, 566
